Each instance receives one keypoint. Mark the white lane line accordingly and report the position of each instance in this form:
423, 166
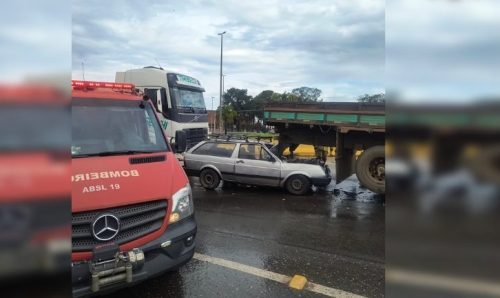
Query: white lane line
284, 279
440, 281
330, 292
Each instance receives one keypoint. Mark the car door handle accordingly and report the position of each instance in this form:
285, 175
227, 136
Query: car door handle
240, 161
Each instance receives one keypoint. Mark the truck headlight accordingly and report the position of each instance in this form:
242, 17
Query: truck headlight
183, 205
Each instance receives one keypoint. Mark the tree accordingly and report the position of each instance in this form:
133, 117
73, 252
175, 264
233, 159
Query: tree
256, 105
228, 116
374, 98
265, 96
285, 97
237, 98
277, 97
307, 94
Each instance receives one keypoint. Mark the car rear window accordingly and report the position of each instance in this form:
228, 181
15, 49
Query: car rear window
216, 149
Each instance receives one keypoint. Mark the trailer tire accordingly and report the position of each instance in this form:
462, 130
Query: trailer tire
486, 166
370, 169
209, 179
298, 185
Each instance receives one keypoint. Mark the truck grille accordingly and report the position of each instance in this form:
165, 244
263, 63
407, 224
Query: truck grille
136, 220
195, 135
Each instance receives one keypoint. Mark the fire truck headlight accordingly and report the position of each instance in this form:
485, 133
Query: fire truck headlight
182, 204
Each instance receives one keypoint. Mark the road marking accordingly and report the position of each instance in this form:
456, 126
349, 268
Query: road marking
298, 282
281, 278
444, 282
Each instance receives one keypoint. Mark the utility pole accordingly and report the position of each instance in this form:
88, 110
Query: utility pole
215, 114
220, 90
223, 82
83, 70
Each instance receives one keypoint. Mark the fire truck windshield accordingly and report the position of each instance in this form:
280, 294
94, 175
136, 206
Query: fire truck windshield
190, 101
103, 127
34, 127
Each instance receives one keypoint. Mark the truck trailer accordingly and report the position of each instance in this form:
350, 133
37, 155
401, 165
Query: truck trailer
349, 127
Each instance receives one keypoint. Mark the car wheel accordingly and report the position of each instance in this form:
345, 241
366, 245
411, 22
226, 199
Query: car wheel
370, 169
298, 185
209, 179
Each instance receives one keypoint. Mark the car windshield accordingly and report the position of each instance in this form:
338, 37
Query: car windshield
107, 127
189, 99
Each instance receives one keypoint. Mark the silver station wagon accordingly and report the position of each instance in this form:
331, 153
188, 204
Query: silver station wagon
251, 163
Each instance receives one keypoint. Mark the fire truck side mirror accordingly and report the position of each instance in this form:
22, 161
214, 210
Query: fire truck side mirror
180, 141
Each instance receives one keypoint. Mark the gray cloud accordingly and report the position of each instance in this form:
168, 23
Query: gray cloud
443, 50
337, 46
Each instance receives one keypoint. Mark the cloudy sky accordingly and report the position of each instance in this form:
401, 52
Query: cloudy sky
443, 50
35, 39
434, 49
336, 46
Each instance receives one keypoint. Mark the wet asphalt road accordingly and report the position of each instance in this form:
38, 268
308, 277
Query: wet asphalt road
335, 238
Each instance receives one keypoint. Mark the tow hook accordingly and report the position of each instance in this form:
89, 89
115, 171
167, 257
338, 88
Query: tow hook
118, 269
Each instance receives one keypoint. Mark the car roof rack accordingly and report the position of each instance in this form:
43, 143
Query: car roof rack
238, 138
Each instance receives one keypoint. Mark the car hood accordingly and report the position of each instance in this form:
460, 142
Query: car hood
104, 182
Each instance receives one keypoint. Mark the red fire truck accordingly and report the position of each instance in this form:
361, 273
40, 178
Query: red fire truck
132, 207
34, 185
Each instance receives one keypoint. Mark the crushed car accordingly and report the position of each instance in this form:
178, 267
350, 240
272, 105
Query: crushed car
251, 163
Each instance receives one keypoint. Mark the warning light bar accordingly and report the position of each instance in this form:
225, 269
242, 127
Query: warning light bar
93, 85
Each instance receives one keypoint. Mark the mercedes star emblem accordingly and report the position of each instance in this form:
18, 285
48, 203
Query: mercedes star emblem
105, 227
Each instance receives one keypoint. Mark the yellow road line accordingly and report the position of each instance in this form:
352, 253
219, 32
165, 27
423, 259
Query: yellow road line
281, 278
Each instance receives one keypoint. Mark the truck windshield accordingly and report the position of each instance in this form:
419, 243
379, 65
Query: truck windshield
114, 127
188, 99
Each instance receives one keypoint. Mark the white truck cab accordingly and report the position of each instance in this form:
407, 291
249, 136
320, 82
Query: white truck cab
178, 99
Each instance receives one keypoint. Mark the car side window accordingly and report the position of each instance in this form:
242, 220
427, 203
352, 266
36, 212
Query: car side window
253, 151
264, 155
216, 149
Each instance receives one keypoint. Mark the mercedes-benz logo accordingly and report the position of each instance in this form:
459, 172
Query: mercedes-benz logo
105, 227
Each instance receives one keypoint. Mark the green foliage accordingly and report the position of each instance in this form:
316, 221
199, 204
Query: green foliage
264, 96
237, 98
229, 115
241, 109
236, 104
374, 98
306, 94
285, 97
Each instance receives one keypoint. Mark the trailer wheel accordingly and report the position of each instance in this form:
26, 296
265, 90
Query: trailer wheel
370, 169
486, 165
298, 185
209, 179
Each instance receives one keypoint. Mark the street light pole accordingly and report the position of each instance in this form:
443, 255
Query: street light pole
223, 82
215, 113
221, 104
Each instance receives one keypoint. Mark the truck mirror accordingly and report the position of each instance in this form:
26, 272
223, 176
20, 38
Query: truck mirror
180, 141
